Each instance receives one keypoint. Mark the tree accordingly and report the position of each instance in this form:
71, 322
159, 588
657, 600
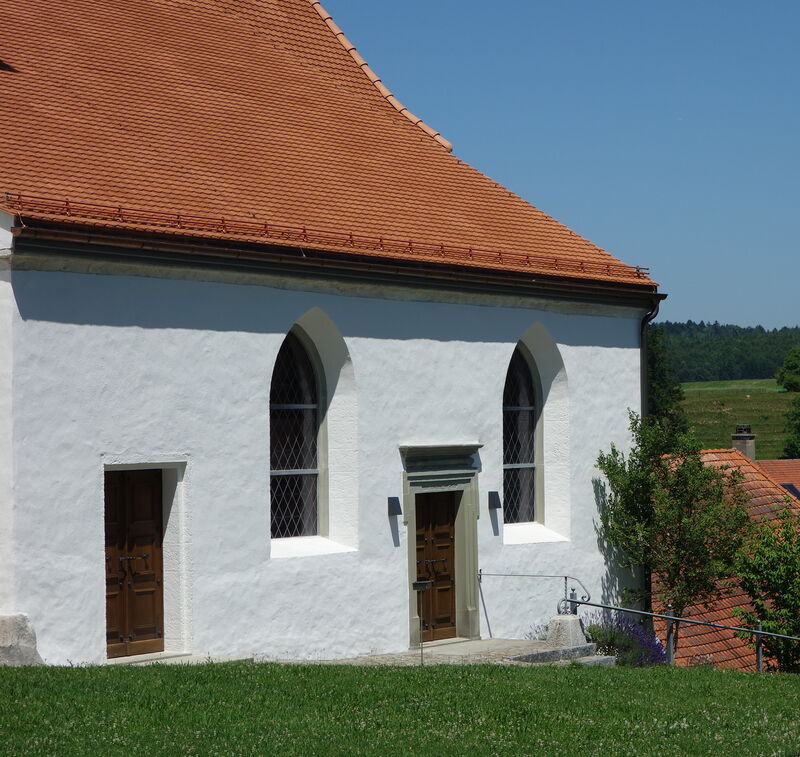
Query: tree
792, 449
672, 515
715, 351
788, 375
769, 571
664, 392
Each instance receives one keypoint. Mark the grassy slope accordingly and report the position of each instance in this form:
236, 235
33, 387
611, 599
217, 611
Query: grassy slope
716, 407
241, 709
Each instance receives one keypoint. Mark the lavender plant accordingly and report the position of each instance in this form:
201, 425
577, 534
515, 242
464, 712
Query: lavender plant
630, 642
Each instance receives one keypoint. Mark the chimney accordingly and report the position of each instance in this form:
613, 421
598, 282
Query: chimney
745, 441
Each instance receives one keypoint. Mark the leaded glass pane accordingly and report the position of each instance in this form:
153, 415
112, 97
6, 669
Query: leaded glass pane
294, 505
518, 495
518, 436
293, 439
519, 442
293, 442
518, 390
293, 380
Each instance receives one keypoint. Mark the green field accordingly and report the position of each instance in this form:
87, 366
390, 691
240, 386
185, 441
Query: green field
714, 409
266, 709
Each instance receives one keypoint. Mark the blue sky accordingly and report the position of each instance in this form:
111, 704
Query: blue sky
667, 133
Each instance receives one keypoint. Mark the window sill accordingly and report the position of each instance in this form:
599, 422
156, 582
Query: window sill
529, 533
306, 546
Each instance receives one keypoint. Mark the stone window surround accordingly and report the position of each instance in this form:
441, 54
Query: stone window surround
337, 506
538, 438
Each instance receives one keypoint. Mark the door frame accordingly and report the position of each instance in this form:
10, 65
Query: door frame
445, 468
177, 632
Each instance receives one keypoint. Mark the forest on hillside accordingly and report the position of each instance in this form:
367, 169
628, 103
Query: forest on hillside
716, 352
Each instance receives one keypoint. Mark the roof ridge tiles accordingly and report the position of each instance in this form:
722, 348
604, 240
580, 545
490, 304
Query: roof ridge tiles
375, 79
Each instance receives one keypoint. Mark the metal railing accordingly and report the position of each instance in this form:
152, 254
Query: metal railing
569, 605
586, 596
573, 601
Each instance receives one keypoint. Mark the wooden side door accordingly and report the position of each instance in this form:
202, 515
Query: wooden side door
436, 530
134, 569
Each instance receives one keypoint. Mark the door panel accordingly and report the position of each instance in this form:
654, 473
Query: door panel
436, 517
134, 591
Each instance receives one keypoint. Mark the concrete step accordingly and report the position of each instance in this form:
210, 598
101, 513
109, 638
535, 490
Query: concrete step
557, 654
174, 658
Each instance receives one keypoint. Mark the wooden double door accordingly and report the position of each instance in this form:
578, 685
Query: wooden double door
436, 552
134, 571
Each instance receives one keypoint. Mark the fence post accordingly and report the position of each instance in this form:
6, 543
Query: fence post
573, 605
670, 638
759, 649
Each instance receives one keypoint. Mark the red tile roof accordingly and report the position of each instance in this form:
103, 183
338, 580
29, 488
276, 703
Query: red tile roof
782, 471
767, 496
704, 645
252, 120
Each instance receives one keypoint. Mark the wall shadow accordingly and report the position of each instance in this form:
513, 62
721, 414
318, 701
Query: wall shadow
106, 299
617, 584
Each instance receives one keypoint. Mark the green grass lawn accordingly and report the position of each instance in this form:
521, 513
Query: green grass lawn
715, 408
245, 709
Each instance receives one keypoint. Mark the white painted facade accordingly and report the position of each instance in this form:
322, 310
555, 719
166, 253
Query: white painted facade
117, 365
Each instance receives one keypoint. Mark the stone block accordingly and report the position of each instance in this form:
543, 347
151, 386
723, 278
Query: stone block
565, 631
17, 641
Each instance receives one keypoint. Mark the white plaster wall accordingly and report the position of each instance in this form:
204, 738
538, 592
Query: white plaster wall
121, 369
7, 309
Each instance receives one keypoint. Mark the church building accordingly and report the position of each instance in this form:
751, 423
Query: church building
270, 352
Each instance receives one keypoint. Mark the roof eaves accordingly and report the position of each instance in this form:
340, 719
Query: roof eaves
373, 77
111, 216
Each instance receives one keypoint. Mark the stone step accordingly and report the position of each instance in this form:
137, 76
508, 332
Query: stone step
175, 658
557, 654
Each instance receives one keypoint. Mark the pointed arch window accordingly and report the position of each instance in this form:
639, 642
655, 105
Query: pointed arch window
520, 416
294, 428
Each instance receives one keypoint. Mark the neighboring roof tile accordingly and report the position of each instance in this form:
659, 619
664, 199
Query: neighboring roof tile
782, 471
701, 644
256, 112
767, 496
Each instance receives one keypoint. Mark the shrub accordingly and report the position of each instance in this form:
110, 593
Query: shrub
769, 571
619, 635
792, 449
671, 514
